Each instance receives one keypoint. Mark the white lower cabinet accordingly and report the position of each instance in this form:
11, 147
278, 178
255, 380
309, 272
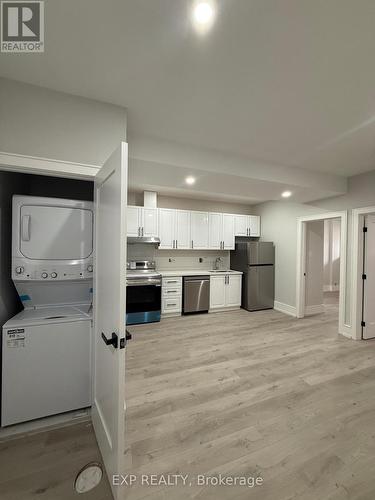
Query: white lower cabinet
217, 292
225, 291
171, 297
233, 290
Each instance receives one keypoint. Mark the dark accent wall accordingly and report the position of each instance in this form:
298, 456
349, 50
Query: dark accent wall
36, 185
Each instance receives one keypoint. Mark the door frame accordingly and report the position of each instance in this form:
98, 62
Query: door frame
344, 329
358, 215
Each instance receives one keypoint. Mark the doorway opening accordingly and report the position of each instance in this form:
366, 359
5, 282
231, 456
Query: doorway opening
321, 266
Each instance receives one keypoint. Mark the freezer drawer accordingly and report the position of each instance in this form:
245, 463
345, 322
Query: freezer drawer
259, 288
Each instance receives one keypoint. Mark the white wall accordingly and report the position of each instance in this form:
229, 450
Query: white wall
36, 121
279, 224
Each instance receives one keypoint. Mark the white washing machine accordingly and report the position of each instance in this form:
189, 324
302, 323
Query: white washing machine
47, 348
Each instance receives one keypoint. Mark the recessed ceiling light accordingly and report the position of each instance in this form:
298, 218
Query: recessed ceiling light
203, 14
286, 194
190, 180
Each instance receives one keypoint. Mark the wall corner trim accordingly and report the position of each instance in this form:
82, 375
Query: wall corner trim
285, 308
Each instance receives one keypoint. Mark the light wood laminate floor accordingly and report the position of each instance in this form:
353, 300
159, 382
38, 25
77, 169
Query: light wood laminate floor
236, 393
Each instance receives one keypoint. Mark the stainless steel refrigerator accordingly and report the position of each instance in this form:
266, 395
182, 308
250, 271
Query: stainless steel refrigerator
257, 262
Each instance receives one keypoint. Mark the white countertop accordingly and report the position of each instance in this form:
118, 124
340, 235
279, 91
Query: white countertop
195, 272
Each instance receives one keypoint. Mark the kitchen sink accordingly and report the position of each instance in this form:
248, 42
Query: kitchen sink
220, 271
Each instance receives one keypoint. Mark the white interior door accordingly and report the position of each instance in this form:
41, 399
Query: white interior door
368, 331
108, 413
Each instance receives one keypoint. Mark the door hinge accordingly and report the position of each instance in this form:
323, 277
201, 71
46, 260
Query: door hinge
365, 229
363, 323
364, 276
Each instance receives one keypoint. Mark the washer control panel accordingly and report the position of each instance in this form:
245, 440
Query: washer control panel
50, 272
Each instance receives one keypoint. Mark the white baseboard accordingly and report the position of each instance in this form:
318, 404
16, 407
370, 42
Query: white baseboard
331, 288
317, 309
285, 308
45, 424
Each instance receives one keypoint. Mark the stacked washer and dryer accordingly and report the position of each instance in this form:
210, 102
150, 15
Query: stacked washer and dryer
47, 347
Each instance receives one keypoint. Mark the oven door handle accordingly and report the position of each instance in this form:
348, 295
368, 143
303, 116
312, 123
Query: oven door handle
143, 283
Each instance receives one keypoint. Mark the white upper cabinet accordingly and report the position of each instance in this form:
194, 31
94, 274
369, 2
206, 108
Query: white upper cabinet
142, 221
215, 231
134, 218
221, 231
186, 229
241, 227
254, 225
199, 230
167, 224
182, 230
150, 222
228, 232
174, 229
247, 225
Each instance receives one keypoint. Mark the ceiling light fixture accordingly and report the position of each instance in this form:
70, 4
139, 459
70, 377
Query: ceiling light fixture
190, 180
203, 14
286, 194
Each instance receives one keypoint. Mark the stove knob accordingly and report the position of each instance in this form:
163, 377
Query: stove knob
90, 268
44, 275
20, 270
53, 275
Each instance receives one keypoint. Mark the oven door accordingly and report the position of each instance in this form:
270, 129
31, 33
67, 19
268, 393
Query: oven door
143, 302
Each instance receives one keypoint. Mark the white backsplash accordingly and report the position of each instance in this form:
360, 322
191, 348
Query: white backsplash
169, 260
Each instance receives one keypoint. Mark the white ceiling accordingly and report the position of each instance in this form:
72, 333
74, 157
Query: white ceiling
290, 83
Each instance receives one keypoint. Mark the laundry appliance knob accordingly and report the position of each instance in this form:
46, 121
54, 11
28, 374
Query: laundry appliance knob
44, 275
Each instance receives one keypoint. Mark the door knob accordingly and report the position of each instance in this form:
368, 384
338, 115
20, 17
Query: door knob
112, 341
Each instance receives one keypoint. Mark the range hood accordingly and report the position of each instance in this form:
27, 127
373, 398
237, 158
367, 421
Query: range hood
136, 240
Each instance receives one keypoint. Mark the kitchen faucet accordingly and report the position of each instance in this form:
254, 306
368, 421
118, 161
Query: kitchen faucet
218, 261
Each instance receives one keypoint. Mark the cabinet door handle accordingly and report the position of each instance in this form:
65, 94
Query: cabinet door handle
192, 244
176, 244
143, 231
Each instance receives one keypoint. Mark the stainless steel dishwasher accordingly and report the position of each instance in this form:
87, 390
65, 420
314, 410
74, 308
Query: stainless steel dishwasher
196, 296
